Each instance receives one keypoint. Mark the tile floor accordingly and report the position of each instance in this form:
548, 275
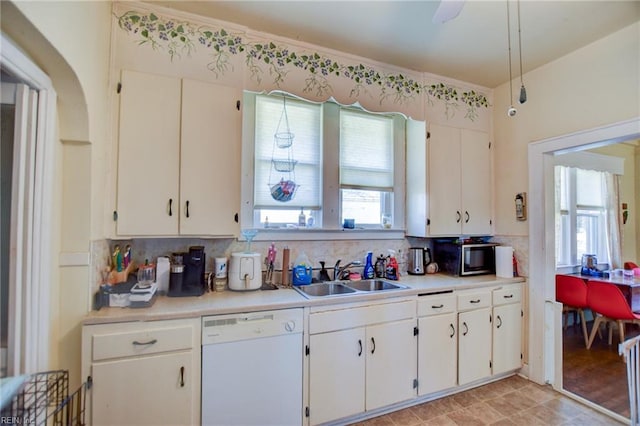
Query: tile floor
512, 401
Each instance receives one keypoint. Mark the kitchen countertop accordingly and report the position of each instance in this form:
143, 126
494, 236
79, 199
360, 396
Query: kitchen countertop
215, 303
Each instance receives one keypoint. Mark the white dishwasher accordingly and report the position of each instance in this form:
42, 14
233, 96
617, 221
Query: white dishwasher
252, 368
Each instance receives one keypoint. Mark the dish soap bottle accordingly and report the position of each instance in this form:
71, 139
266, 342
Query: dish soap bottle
369, 272
392, 266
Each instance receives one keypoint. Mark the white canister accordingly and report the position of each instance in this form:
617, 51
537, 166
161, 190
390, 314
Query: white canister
504, 261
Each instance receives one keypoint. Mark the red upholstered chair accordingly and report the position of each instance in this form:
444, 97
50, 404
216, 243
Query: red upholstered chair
607, 300
572, 293
630, 265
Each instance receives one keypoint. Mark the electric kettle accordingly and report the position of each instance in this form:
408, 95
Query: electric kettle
416, 261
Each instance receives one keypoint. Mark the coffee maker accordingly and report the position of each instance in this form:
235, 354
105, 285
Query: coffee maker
187, 273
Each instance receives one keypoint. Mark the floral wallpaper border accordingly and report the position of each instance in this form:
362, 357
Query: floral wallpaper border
181, 37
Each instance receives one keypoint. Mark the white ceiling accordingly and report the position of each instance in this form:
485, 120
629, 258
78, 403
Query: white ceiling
471, 47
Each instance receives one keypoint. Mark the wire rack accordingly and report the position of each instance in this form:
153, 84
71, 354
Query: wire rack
44, 399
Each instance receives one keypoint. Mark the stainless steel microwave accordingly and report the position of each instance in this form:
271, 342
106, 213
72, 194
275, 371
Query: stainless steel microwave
461, 259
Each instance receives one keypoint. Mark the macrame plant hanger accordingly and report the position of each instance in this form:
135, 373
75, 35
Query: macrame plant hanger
282, 160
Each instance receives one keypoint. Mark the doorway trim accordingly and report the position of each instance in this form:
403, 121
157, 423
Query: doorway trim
543, 341
39, 244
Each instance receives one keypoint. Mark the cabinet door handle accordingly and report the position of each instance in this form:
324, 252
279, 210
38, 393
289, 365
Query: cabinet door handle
373, 342
458, 217
150, 342
170, 204
453, 331
466, 328
466, 214
187, 212
182, 376
474, 301
499, 322
360, 343
437, 306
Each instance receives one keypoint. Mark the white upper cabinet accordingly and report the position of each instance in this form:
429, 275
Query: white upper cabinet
178, 157
148, 150
210, 159
448, 181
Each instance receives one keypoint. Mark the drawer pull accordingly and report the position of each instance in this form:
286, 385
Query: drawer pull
453, 331
182, 376
466, 328
474, 301
150, 342
508, 296
437, 306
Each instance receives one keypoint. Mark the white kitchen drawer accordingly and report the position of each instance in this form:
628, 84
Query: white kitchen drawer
474, 299
436, 304
140, 339
507, 294
341, 319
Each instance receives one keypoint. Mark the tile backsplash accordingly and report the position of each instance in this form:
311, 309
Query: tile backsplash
316, 251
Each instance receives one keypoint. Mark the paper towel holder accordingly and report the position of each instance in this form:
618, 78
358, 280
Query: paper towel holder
521, 206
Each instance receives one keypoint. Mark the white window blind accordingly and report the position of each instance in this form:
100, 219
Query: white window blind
305, 122
366, 151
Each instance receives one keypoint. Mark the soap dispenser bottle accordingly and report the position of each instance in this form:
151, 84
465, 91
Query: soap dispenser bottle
369, 272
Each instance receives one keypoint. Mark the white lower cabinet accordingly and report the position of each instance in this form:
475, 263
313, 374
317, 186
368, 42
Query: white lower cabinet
391, 363
437, 343
474, 340
474, 335
507, 329
143, 373
360, 358
336, 374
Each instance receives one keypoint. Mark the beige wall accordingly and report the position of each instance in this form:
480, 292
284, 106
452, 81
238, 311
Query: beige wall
70, 41
591, 87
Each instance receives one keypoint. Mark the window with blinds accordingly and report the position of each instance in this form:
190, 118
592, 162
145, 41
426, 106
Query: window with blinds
345, 164
304, 154
366, 166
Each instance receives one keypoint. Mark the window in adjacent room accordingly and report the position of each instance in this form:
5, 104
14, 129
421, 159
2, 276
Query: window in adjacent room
583, 212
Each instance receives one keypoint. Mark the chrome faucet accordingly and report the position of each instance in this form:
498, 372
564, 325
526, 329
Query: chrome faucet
337, 270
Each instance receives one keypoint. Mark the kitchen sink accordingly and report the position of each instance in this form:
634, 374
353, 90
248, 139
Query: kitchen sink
373, 285
342, 288
324, 289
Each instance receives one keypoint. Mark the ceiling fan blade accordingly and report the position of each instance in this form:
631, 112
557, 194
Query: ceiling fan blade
447, 10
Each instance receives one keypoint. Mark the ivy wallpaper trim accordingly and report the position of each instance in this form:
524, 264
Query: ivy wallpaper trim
181, 37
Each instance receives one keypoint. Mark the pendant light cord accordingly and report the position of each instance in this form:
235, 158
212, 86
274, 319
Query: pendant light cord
520, 43
509, 41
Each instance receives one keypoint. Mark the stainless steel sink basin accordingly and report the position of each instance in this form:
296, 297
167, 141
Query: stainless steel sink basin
373, 285
324, 289
343, 288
